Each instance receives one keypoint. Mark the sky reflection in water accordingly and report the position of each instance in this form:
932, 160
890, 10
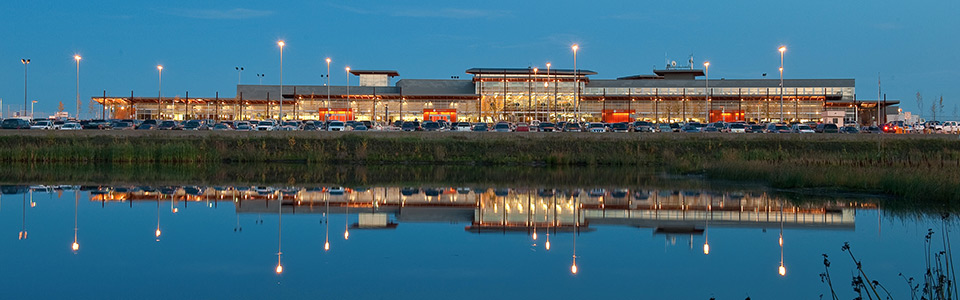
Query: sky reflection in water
430, 242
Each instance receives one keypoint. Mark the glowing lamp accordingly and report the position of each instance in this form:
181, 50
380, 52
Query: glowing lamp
279, 269
75, 246
782, 270
706, 248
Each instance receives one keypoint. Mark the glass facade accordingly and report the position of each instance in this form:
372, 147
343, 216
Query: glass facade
515, 95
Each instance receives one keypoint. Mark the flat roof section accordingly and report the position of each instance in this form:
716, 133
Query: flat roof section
528, 71
391, 73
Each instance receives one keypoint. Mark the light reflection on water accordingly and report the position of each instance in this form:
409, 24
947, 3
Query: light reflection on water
399, 239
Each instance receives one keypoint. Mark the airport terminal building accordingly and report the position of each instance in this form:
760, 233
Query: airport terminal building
672, 94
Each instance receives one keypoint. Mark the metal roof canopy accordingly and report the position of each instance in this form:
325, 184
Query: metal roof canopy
390, 73
528, 71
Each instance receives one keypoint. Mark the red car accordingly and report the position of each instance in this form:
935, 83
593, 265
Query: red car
523, 127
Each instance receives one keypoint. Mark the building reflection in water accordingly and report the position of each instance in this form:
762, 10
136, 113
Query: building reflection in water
500, 210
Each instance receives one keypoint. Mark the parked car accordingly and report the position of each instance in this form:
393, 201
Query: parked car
410, 126
736, 128
97, 124
870, 129
266, 125
42, 125
15, 124
195, 125
951, 127
755, 128
546, 127
801, 128
690, 128
431, 126
849, 129
572, 127
244, 126
777, 128
642, 126
664, 127
462, 126
523, 127
70, 126
502, 127
168, 125
146, 126
480, 127
597, 127
337, 126
121, 125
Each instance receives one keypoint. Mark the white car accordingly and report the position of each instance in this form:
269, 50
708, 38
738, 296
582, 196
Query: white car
71, 126
951, 127
44, 125
737, 128
266, 126
462, 126
597, 127
336, 126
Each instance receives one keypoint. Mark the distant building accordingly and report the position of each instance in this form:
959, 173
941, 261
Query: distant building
526, 94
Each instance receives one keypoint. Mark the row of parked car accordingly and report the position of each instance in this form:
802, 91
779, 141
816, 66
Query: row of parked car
637, 126
442, 125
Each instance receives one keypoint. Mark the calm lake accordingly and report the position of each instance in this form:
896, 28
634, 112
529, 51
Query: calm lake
524, 234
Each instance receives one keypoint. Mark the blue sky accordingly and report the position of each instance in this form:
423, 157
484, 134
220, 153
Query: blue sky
912, 45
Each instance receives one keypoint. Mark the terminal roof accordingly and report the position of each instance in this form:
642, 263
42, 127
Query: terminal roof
527, 71
391, 73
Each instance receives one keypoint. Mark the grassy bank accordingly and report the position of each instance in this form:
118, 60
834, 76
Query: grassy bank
925, 168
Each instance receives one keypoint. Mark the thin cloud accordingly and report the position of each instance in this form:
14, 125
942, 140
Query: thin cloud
219, 14
449, 13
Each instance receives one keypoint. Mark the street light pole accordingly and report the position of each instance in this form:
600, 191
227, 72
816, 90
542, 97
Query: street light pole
25, 62
159, 92
77, 58
781, 49
348, 84
280, 112
706, 91
328, 86
239, 74
576, 81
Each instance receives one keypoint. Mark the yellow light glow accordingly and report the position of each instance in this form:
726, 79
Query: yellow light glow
706, 248
159, 67
535, 70
534, 236
782, 271
782, 49
175, 210
75, 246
279, 269
548, 245
326, 246
348, 69
346, 235
157, 233
781, 241
575, 47
573, 268
281, 44
548, 65
77, 57
328, 60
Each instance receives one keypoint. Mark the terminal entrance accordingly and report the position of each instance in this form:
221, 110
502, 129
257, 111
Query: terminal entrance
336, 114
449, 115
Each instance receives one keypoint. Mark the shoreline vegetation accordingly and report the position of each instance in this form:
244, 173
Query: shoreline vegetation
917, 168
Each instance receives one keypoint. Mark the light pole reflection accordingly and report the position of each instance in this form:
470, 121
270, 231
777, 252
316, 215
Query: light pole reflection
279, 232
23, 220
76, 204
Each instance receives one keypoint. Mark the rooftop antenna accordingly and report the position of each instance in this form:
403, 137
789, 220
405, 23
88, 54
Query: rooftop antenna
691, 61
